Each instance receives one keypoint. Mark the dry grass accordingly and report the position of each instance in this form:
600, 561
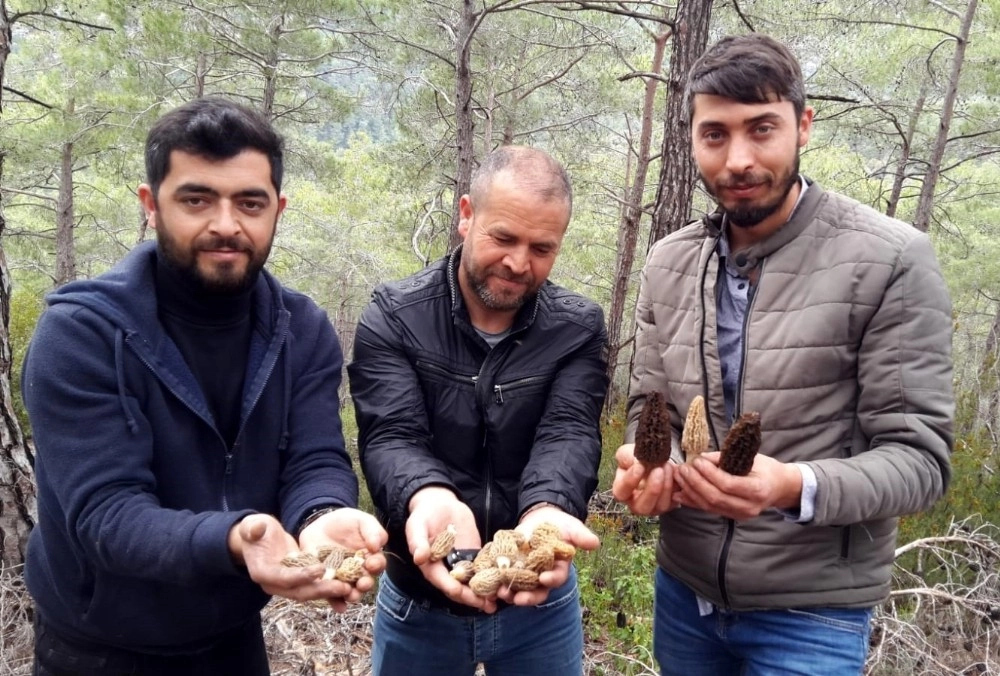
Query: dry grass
312, 640
943, 615
305, 640
15, 624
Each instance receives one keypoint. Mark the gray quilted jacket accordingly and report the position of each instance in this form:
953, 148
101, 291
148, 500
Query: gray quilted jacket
847, 357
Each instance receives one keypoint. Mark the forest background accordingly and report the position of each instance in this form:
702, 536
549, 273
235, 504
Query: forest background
388, 104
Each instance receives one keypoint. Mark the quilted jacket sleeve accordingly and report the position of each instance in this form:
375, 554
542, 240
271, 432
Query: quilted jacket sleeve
905, 402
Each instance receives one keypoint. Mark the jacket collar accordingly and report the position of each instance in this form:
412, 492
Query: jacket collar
747, 259
126, 297
522, 320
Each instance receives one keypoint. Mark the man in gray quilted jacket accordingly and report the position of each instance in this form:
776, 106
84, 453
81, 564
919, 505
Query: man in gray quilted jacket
833, 323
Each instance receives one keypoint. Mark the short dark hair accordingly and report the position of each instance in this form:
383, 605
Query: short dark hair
533, 170
214, 128
751, 68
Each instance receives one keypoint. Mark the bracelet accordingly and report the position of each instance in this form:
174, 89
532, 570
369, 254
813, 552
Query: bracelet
312, 516
537, 505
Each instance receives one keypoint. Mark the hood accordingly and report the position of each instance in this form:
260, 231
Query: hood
126, 294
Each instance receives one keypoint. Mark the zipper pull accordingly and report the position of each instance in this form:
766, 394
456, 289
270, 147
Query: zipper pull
498, 392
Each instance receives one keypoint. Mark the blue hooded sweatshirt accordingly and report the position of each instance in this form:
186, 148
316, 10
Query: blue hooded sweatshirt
137, 489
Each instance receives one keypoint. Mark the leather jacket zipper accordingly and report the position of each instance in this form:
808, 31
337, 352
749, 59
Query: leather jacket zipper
513, 385
459, 377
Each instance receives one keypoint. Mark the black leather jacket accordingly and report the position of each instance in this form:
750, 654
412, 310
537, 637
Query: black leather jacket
503, 428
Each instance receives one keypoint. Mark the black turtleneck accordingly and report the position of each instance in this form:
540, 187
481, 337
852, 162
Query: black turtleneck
212, 332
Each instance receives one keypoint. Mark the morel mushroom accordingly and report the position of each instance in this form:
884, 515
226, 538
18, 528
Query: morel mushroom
652, 436
443, 543
694, 438
741, 445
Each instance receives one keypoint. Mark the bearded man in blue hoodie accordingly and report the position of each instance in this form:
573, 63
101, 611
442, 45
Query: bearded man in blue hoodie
186, 420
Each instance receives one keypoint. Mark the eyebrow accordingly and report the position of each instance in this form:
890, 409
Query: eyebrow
749, 122
199, 189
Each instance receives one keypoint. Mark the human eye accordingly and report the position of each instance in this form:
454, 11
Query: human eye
763, 129
253, 206
193, 201
713, 136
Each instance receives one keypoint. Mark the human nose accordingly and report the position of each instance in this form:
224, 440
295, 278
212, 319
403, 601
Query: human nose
740, 157
517, 260
226, 222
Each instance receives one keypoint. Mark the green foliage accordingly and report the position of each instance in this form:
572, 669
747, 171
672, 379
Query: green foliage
616, 581
616, 585
25, 308
974, 488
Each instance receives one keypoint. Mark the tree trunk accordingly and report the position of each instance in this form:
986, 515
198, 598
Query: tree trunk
464, 128
628, 229
926, 204
904, 157
677, 170
989, 379
201, 73
17, 490
65, 218
271, 68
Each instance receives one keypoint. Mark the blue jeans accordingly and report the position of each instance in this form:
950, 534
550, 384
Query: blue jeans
808, 641
415, 639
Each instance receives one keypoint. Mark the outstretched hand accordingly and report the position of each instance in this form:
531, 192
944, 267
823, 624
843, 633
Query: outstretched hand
572, 530
260, 543
354, 530
770, 483
432, 510
644, 493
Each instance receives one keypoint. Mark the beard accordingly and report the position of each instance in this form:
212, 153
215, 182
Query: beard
746, 214
479, 281
227, 278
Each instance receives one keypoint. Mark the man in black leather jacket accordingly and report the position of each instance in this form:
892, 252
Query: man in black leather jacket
478, 387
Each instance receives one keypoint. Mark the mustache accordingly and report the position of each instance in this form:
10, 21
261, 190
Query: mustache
520, 279
746, 180
220, 243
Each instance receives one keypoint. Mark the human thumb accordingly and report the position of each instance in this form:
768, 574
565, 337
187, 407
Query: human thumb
253, 528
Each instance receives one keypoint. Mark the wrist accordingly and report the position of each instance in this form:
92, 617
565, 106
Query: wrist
234, 542
791, 493
537, 506
312, 516
432, 493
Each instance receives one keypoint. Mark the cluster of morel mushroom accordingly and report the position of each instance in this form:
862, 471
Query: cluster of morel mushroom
511, 560
652, 436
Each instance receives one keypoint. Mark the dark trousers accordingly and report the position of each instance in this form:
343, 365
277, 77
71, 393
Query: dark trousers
238, 652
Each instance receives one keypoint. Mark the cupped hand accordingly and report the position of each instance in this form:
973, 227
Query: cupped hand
572, 530
354, 530
260, 543
770, 483
645, 491
432, 510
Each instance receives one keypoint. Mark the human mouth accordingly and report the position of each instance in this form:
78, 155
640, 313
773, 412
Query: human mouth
743, 190
224, 255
